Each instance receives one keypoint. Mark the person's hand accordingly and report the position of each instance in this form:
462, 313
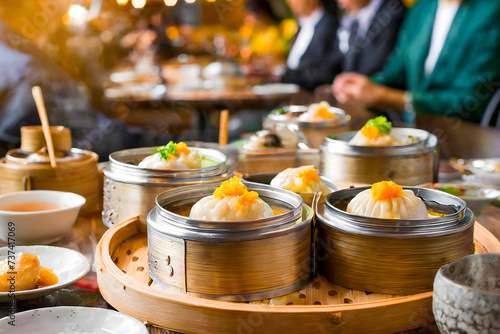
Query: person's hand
358, 88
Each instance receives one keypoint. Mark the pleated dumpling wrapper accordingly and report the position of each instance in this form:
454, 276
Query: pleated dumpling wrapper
231, 202
300, 180
173, 156
377, 132
388, 200
318, 112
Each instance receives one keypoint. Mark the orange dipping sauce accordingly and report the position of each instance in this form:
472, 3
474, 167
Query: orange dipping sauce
30, 207
47, 278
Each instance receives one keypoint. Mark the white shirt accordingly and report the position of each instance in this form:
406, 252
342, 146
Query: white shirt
364, 16
445, 15
307, 26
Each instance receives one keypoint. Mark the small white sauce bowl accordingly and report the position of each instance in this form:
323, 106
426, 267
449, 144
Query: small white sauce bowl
38, 227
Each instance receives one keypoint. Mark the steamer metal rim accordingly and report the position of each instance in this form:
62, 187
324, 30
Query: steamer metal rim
340, 145
130, 190
458, 216
341, 120
162, 220
20, 156
122, 169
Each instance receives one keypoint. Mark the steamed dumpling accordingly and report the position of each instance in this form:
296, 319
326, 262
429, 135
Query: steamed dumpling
388, 200
377, 132
300, 180
173, 156
231, 202
318, 112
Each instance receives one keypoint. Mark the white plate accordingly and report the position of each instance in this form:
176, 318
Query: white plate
72, 319
275, 89
69, 266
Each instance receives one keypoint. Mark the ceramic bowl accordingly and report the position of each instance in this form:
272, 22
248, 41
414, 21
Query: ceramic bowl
38, 227
72, 319
467, 295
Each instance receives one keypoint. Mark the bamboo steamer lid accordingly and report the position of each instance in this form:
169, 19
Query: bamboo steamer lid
76, 170
33, 140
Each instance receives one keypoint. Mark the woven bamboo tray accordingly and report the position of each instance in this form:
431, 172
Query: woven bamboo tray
121, 260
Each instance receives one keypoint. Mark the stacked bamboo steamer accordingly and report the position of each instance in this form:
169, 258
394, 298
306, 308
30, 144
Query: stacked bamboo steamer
392, 256
410, 165
28, 168
230, 260
130, 190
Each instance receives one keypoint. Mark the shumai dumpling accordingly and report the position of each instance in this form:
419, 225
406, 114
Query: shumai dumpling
388, 200
318, 112
300, 180
231, 202
27, 267
173, 156
376, 132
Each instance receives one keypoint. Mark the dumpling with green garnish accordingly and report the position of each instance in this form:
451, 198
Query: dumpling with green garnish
173, 156
377, 132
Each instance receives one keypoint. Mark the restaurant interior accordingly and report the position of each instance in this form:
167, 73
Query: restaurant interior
249, 166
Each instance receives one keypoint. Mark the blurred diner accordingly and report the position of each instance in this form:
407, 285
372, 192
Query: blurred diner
446, 62
314, 58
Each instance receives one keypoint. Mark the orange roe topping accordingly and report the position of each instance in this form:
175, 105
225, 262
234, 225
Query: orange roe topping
234, 187
248, 198
309, 175
385, 190
323, 112
231, 187
370, 132
182, 148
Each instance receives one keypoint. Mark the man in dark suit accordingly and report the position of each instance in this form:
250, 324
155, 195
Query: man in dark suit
368, 32
366, 37
314, 55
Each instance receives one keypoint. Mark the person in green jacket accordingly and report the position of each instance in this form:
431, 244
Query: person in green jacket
446, 61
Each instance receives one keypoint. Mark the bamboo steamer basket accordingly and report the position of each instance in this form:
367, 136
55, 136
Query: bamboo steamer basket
76, 170
409, 165
230, 260
391, 256
307, 197
319, 307
315, 132
131, 191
